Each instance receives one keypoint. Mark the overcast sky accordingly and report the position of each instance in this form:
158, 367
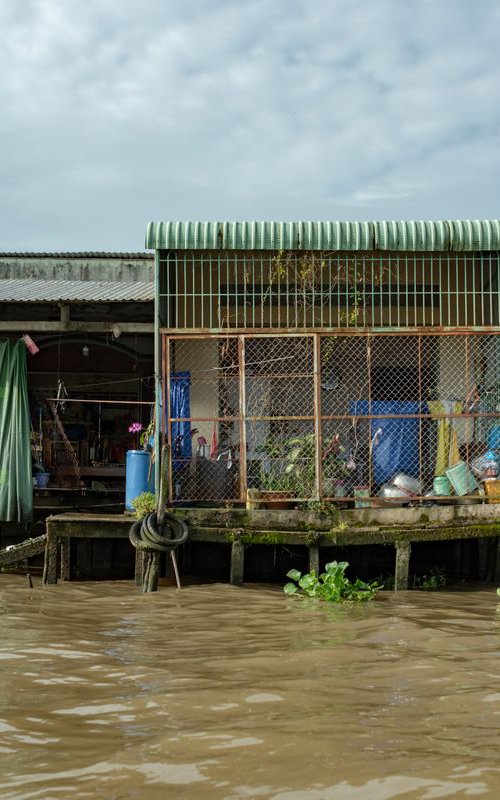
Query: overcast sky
117, 113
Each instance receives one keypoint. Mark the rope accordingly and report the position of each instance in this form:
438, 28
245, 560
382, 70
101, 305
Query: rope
151, 538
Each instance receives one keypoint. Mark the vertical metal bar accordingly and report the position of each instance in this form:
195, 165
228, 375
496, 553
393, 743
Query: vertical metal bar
219, 292
490, 321
210, 293
201, 296
253, 290
474, 298
242, 418
372, 284
467, 391
347, 287
158, 373
420, 447
481, 275
364, 290
448, 288
407, 321
318, 444
431, 278
370, 429
398, 290
295, 268
245, 281
381, 287
228, 284
457, 320
329, 292
168, 414
339, 313
184, 288
321, 286
261, 292
287, 295
193, 291
497, 290
415, 315
278, 279
389, 290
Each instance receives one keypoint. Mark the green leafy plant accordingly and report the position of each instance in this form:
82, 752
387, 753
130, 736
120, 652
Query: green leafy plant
332, 585
435, 579
294, 464
144, 504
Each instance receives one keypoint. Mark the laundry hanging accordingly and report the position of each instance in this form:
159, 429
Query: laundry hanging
16, 482
447, 441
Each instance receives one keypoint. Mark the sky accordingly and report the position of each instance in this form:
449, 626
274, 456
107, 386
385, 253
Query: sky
117, 113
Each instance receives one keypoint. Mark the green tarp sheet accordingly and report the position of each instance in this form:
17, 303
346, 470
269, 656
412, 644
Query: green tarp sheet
16, 482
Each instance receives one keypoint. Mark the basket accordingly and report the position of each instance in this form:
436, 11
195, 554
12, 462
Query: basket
492, 489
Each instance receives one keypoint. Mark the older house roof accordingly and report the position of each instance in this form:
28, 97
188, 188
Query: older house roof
27, 290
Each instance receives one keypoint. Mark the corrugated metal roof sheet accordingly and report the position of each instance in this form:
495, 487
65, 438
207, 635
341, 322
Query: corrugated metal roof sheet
37, 291
90, 254
410, 235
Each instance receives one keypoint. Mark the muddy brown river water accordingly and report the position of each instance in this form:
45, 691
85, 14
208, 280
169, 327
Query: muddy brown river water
227, 693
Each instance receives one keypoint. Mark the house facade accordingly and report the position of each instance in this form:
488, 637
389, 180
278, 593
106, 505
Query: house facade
350, 363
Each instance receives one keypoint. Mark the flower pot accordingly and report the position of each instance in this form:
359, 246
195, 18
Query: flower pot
276, 500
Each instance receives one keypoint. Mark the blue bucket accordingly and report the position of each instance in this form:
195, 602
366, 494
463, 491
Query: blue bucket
461, 478
136, 476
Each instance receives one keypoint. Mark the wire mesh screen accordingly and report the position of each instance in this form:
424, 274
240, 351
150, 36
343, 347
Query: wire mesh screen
375, 419
320, 290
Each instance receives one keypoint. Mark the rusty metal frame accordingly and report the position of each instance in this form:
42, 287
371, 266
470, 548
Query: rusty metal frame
318, 417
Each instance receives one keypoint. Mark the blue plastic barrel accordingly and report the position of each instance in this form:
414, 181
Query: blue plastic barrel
136, 475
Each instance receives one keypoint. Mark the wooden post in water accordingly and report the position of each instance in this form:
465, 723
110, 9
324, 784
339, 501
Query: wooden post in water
314, 558
402, 574
237, 563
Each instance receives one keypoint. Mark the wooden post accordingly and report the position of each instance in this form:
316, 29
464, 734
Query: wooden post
139, 567
314, 558
237, 563
65, 559
403, 552
50, 564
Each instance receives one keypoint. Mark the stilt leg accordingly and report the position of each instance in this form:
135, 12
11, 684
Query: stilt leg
237, 563
403, 551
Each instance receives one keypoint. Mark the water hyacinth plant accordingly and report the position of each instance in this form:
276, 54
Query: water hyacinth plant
332, 585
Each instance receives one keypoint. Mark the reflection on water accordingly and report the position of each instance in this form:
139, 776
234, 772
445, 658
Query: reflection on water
218, 692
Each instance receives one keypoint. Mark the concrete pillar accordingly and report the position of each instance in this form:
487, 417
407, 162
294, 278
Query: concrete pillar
237, 563
402, 574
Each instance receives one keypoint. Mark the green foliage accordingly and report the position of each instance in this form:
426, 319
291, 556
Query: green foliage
332, 585
433, 580
144, 504
498, 592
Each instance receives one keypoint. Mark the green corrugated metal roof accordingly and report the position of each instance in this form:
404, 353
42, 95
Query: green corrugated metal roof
410, 235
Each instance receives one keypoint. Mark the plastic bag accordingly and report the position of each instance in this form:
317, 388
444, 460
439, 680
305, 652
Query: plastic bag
485, 466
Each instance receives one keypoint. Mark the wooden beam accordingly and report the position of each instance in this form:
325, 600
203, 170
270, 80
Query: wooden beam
18, 326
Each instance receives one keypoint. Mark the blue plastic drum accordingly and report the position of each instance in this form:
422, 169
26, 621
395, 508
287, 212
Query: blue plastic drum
136, 476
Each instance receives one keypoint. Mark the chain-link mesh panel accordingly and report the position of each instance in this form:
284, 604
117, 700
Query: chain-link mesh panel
334, 417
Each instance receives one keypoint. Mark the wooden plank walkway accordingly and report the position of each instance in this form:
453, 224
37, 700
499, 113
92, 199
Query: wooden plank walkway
314, 529
20, 552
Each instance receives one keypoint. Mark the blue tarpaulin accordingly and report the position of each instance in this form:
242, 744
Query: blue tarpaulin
396, 447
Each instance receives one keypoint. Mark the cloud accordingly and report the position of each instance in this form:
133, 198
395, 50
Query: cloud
114, 114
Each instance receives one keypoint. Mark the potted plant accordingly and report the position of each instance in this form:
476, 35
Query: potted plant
293, 469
